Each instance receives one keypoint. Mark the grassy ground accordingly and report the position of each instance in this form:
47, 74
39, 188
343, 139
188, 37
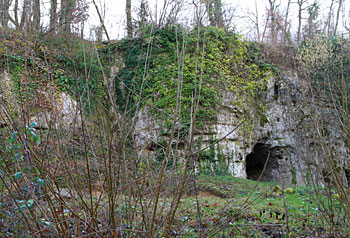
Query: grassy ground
220, 207
231, 207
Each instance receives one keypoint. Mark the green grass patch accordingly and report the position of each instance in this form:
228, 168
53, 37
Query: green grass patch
233, 207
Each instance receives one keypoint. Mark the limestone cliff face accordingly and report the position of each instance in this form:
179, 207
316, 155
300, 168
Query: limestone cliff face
279, 141
290, 136
50, 107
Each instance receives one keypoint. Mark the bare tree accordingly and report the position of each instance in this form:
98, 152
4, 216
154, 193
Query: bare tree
101, 21
4, 12
286, 24
143, 13
311, 28
329, 18
71, 12
30, 18
337, 19
128, 18
273, 6
66, 16
25, 15
254, 18
53, 16
36, 16
215, 12
15, 9
300, 12
170, 12
273, 23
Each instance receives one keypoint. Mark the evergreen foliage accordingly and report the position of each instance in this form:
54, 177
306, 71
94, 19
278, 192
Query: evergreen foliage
154, 61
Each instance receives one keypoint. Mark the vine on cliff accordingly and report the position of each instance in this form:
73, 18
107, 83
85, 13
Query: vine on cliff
227, 66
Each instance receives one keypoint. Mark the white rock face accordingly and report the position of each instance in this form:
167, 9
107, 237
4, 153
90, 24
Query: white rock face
6, 95
6, 84
285, 137
280, 136
146, 130
63, 113
52, 107
68, 110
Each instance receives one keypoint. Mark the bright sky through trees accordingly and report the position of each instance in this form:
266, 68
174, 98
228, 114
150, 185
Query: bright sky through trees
242, 13
114, 12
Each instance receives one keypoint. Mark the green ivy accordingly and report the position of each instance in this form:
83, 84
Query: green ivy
75, 69
227, 65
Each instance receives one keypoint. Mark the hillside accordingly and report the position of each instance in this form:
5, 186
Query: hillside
175, 132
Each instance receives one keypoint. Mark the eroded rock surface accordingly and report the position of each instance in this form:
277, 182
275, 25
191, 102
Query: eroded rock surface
279, 141
49, 107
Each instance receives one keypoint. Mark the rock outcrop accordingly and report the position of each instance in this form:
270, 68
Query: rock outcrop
276, 144
49, 107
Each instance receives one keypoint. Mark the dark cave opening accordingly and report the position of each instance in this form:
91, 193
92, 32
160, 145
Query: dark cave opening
256, 160
347, 175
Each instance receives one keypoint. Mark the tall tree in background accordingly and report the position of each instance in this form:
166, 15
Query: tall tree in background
215, 12
15, 9
53, 16
66, 16
274, 22
254, 18
143, 13
300, 12
337, 18
36, 16
103, 26
128, 18
329, 18
4, 12
24, 17
286, 27
311, 28
170, 12
271, 24
218, 12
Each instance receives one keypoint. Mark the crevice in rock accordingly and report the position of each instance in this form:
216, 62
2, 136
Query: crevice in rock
255, 162
347, 175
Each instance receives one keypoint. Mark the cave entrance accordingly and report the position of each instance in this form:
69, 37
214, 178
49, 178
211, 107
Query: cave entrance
347, 176
256, 160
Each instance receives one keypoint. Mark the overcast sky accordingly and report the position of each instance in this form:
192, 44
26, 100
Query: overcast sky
115, 13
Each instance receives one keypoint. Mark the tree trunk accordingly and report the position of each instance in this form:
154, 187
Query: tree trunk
24, 18
15, 9
328, 23
285, 30
128, 18
265, 27
61, 15
257, 21
53, 16
4, 13
101, 21
337, 19
36, 16
272, 12
142, 13
300, 10
215, 13
210, 11
65, 18
219, 19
